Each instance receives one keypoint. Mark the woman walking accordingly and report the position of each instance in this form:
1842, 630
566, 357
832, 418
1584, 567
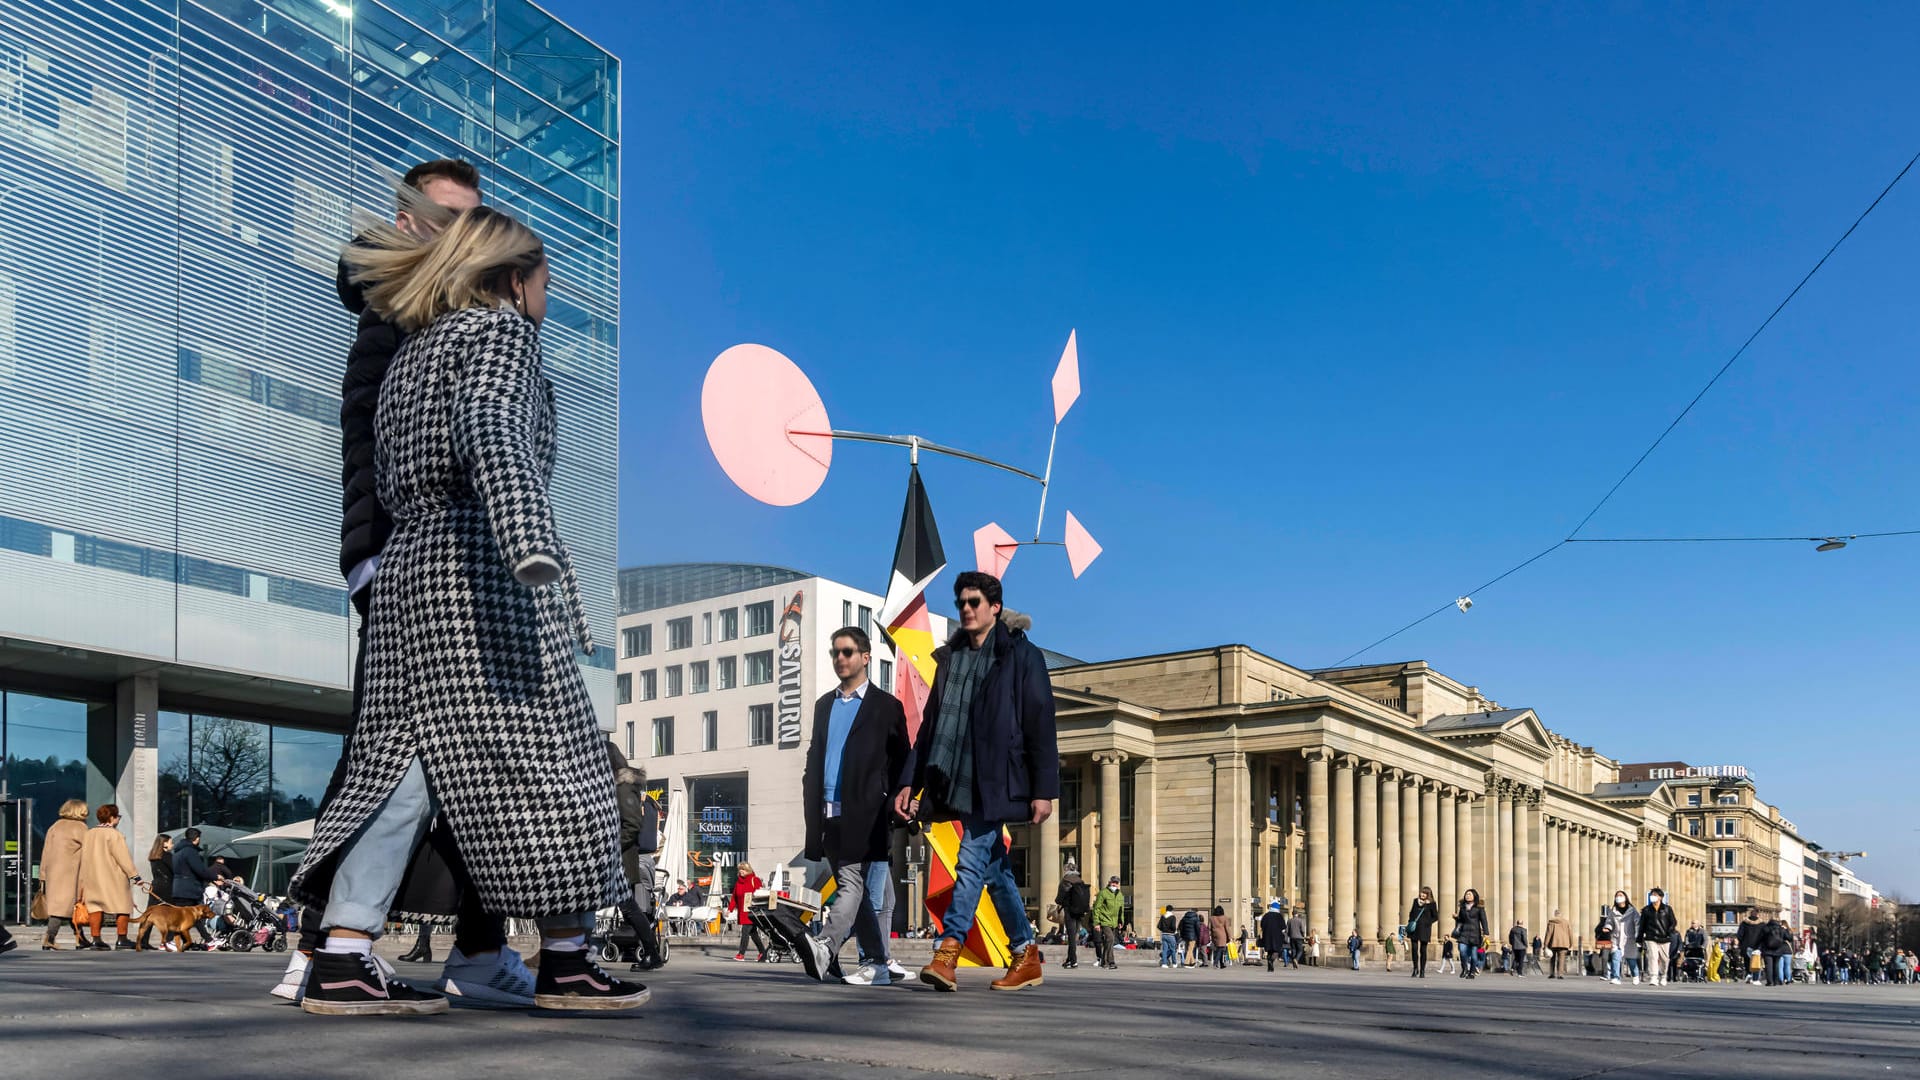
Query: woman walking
1623, 929
1218, 929
1558, 940
1421, 916
159, 885
474, 707
745, 884
60, 871
107, 876
1469, 930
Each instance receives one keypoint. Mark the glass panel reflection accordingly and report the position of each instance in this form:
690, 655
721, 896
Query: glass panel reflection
46, 754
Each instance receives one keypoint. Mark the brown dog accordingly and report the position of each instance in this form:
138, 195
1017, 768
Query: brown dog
172, 919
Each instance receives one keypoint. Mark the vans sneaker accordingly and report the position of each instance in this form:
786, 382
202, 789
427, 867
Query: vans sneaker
352, 984
501, 981
569, 979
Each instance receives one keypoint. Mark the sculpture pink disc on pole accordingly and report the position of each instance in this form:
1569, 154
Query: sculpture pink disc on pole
1066, 378
766, 425
1081, 548
993, 549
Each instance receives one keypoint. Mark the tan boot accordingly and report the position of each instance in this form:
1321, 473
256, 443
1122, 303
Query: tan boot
1024, 973
944, 972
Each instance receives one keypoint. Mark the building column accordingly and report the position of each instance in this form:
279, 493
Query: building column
1502, 833
1319, 898
1110, 835
1550, 864
1565, 852
1448, 831
1345, 918
1232, 836
1463, 849
1539, 878
136, 766
1049, 844
1146, 850
1393, 847
1411, 842
1430, 846
1367, 852
1519, 901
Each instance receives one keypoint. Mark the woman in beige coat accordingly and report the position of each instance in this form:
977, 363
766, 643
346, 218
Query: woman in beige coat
60, 868
106, 874
1558, 940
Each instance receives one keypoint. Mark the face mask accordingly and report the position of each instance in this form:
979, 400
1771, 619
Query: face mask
1620, 902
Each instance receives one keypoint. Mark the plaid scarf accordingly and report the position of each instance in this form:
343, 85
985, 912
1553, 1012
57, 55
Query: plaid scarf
950, 761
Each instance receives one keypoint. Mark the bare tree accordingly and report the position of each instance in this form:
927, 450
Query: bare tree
229, 769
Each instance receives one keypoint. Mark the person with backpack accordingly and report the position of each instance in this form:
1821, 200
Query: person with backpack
1169, 928
1076, 903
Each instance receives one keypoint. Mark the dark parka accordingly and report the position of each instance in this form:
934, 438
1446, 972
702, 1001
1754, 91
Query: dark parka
1420, 919
1016, 758
1470, 925
191, 874
1656, 924
871, 762
1273, 932
364, 523
639, 829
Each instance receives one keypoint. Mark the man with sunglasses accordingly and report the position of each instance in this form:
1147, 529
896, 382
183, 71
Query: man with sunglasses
986, 757
858, 750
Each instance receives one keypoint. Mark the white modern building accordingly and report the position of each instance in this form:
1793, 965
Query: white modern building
1795, 898
718, 667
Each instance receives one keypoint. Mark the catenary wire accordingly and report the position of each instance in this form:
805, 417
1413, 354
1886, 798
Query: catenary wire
1682, 415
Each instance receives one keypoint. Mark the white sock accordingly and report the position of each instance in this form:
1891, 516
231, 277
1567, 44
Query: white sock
575, 943
337, 944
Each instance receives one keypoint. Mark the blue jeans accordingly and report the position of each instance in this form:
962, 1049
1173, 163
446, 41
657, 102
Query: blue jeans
1613, 963
1786, 971
880, 895
1467, 954
983, 866
1355, 954
1169, 949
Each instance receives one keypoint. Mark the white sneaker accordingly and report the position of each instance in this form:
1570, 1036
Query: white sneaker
501, 981
870, 975
895, 970
816, 957
294, 982
1636, 980
1614, 981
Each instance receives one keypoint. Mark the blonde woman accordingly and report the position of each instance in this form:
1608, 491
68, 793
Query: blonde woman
107, 876
473, 706
60, 870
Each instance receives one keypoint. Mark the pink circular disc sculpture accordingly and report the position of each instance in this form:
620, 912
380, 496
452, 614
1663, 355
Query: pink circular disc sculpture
766, 425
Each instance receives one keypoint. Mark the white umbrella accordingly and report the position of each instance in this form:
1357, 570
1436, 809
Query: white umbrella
299, 830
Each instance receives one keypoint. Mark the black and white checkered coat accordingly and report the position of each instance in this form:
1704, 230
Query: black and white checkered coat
467, 668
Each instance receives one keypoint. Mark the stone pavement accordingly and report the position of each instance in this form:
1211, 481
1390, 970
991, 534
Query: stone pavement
114, 1015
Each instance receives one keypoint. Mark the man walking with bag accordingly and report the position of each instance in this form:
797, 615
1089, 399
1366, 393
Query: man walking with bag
1075, 902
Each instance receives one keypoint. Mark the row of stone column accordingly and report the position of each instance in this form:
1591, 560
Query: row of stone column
1375, 835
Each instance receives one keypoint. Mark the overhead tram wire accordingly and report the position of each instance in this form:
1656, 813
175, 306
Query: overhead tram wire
1736, 539
1668, 430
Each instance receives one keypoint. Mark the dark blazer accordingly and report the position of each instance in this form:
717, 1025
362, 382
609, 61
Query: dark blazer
1420, 919
1016, 757
191, 874
870, 765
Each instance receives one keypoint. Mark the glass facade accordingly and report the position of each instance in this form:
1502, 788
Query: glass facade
175, 180
231, 777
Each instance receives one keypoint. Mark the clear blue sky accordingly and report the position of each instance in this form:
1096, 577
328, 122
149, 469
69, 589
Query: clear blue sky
1371, 307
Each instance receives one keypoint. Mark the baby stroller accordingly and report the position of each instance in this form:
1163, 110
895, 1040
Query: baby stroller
1693, 964
248, 921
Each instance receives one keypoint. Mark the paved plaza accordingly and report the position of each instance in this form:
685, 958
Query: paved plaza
95, 1016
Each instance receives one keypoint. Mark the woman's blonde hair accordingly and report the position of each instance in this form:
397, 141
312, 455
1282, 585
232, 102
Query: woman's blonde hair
74, 809
472, 262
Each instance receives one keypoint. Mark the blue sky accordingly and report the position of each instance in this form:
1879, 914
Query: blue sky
1372, 306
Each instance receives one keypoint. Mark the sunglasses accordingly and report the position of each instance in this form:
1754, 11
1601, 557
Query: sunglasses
965, 603
846, 653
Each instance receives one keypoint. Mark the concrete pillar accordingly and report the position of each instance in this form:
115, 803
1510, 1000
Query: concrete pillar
1520, 900
1233, 836
1540, 877
1049, 844
1430, 846
1344, 916
1367, 853
1146, 851
1110, 832
1448, 829
1501, 906
1319, 898
1394, 892
1563, 852
1463, 850
1410, 843
1550, 863
136, 767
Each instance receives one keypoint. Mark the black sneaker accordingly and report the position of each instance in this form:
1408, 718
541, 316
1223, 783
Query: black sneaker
569, 979
351, 984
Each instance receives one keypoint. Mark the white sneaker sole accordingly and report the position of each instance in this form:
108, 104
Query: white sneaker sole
374, 1008
604, 1004
482, 996
288, 991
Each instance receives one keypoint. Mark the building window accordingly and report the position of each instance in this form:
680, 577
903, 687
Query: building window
1729, 799
760, 618
675, 683
663, 736
697, 671
1069, 796
866, 620
760, 719
729, 624
759, 668
1726, 890
1724, 827
709, 731
1693, 826
680, 633
636, 640
1723, 859
1693, 798
1126, 805
631, 726
706, 628
883, 672
625, 683
846, 613
649, 684
729, 673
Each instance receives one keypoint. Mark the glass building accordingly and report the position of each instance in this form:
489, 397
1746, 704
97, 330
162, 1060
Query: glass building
175, 181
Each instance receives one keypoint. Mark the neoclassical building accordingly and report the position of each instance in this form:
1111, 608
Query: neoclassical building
1223, 777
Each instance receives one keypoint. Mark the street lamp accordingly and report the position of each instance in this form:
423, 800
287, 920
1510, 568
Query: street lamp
1830, 543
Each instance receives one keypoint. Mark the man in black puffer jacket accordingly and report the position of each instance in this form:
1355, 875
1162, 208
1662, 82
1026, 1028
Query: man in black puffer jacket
431, 886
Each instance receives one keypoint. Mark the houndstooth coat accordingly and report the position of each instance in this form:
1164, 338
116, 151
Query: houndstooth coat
467, 668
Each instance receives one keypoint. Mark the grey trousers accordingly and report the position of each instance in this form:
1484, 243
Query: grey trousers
852, 913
